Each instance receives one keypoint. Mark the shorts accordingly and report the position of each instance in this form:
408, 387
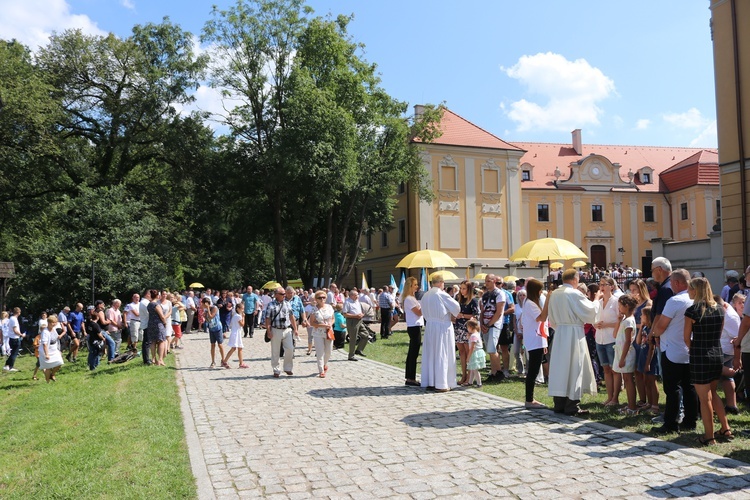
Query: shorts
506, 335
728, 362
490, 340
640, 361
606, 354
177, 329
216, 337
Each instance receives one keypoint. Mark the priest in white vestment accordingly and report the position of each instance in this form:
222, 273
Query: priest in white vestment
570, 370
439, 347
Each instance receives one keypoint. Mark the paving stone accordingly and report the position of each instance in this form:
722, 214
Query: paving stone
359, 433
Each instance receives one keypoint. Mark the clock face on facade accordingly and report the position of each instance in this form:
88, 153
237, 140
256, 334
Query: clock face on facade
595, 171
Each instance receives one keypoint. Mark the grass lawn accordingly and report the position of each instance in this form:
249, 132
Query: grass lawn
393, 352
113, 433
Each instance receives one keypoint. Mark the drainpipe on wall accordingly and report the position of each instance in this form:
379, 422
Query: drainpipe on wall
740, 134
671, 224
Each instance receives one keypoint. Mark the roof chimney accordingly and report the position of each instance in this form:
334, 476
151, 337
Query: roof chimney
418, 111
577, 141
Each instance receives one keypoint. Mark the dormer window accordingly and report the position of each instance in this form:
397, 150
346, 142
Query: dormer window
646, 175
525, 175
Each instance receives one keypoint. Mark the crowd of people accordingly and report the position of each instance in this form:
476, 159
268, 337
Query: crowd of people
572, 337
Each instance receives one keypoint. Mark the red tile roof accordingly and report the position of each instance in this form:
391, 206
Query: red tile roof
683, 166
545, 157
457, 131
701, 168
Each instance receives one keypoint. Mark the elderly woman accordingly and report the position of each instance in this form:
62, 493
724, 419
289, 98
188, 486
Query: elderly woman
50, 357
321, 321
606, 322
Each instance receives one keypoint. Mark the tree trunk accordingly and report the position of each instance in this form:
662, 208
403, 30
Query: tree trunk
327, 250
278, 241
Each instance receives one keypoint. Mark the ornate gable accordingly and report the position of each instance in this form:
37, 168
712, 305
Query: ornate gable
593, 173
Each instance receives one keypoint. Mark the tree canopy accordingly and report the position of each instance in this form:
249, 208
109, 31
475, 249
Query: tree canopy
100, 164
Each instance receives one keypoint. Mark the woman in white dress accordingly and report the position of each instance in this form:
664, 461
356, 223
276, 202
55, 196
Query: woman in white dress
606, 321
50, 357
236, 330
321, 320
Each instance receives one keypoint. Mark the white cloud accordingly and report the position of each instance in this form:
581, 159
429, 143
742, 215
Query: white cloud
31, 22
708, 137
569, 91
693, 121
642, 124
128, 4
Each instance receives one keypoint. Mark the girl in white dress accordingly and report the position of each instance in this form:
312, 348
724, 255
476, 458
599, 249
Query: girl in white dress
624, 366
50, 357
236, 329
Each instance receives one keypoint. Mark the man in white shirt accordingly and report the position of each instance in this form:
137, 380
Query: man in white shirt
358, 334
190, 309
675, 358
15, 335
133, 319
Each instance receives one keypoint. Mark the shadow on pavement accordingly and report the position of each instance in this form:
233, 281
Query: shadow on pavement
460, 418
700, 485
356, 392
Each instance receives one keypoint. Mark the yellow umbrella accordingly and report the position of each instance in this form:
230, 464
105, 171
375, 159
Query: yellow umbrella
556, 265
548, 249
447, 275
428, 259
510, 279
479, 277
195, 285
579, 263
271, 285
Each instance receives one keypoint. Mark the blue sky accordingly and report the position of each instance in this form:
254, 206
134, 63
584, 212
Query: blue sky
637, 72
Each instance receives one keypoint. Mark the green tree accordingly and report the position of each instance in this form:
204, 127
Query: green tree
119, 95
57, 249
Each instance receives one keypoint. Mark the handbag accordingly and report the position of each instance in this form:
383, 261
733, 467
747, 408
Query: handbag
329, 333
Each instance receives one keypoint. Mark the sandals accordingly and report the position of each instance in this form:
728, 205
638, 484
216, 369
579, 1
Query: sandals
724, 435
706, 441
224, 364
322, 375
243, 365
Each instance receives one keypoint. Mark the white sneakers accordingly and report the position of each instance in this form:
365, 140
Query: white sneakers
6, 368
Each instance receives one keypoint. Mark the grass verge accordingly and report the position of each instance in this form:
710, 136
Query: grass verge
393, 352
114, 433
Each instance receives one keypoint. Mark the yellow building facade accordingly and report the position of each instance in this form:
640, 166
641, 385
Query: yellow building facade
731, 42
492, 196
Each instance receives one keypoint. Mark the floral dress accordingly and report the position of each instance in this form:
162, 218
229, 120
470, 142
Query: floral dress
459, 328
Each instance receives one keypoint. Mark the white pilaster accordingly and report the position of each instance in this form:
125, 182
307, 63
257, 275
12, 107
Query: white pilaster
577, 236
513, 197
470, 212
617, 202
426, 216
560, 216
634, 233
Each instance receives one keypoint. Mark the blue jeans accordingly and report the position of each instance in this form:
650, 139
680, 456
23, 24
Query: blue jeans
111, 348
15, 348
94, 355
